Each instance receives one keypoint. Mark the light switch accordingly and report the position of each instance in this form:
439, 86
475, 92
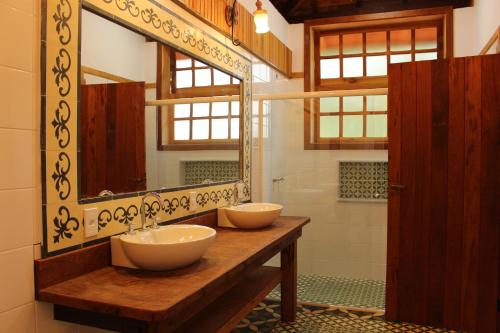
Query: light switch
90, 220
193, 206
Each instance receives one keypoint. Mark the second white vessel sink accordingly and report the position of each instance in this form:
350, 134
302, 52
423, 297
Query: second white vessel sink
253, 215
167, 247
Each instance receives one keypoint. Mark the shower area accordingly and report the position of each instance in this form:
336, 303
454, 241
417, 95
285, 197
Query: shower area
342, 252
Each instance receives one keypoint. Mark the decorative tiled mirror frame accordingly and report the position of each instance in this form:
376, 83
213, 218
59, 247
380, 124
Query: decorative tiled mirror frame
62, 209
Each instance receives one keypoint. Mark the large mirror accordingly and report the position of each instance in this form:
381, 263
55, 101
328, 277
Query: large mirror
127, 146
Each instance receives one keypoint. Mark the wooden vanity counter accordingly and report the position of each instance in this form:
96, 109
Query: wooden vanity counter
209, 296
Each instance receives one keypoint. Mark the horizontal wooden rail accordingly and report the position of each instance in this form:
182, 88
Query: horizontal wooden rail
108, 76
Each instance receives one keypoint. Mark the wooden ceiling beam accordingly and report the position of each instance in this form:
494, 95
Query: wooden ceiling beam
299, 11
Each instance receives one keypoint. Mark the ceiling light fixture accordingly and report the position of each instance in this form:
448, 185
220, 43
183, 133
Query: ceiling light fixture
261, 19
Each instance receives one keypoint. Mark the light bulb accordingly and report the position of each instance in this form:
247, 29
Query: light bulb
261, 20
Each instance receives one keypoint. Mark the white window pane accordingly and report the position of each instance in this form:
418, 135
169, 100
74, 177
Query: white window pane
376, 126
329, 127
181, 130
182, 61
376, 103
235, 128
400, 40
201, 109
235, 108
221, 78
396, 58
376, 66
235, 80
199, 64
202, 77
352, 43
426, 38
200, 129
329, 45
184, 79
426, 56
220, 128
352, 126
352, 104
329, 104
353, 67
330, 68
220, 108
376, 41
182, 110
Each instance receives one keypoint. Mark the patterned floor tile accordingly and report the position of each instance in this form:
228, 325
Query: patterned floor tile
324, 319
339, 291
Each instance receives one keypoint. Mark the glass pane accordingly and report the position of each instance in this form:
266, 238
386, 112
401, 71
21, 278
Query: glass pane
202, 77
235, 108
376, 103
426, 38
329, 46
330, 68
426, 56
396, 58
376, 66
201, 109
235, 80
221, 78
400, 40
235, 128
329, 104
352, 126
182, 110
200, 129
352, 44
376, 41
220, 128
181, 130
182, 61
329, 127
352, 104
184, 79
220, 108
353, 67
376, 126
199, 64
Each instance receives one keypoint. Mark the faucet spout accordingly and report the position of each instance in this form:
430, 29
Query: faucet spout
143, 207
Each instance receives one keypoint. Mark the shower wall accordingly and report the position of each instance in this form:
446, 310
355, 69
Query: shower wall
345, 238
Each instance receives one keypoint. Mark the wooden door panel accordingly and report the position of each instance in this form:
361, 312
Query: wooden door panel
443, 229
112, 121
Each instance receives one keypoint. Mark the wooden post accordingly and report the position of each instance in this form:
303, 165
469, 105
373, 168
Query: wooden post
289, 283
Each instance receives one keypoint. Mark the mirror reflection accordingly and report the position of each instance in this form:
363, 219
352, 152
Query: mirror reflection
126, 146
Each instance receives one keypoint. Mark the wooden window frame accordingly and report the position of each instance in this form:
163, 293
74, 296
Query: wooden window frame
441, 17
166, 88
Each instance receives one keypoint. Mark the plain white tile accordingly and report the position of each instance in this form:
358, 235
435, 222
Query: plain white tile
16, 99
16, 225
18, 320
46, 324
25, 5
16, 278
17, 159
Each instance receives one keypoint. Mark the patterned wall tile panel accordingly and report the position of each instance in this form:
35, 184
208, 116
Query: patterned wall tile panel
363, 180
199, 172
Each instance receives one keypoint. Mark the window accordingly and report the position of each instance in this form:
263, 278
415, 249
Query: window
211, 125
356, 55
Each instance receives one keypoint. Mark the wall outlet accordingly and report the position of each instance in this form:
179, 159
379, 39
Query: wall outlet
91, 223
193, 206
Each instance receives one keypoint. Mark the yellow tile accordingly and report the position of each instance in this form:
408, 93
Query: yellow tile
61, 176
17, 158
16, 98
16, 38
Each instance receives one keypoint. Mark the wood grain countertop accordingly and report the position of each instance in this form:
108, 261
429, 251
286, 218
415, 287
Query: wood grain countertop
157, 296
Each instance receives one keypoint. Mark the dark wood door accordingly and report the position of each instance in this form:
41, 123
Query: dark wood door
443, 226
113, 144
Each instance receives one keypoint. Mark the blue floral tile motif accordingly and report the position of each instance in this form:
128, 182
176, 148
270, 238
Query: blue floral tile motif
198, 172
363, 180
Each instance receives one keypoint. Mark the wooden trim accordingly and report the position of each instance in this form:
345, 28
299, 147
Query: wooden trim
495, 37
194, 146
296, 75
108, 76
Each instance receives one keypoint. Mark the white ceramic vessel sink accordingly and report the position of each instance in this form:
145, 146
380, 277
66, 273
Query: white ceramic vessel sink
253, 215
168, 247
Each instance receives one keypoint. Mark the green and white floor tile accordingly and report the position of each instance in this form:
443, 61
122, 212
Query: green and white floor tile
339, 291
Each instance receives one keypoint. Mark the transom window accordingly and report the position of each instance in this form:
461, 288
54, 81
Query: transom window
358, 58
210, 125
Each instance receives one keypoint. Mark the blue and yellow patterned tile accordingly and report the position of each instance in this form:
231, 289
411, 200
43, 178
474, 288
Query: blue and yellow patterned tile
61, 176
64, 226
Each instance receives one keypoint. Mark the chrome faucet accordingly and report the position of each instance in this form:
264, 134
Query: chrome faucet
143, 208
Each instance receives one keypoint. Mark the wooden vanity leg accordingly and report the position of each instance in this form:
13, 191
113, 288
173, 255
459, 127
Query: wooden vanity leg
289, 283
